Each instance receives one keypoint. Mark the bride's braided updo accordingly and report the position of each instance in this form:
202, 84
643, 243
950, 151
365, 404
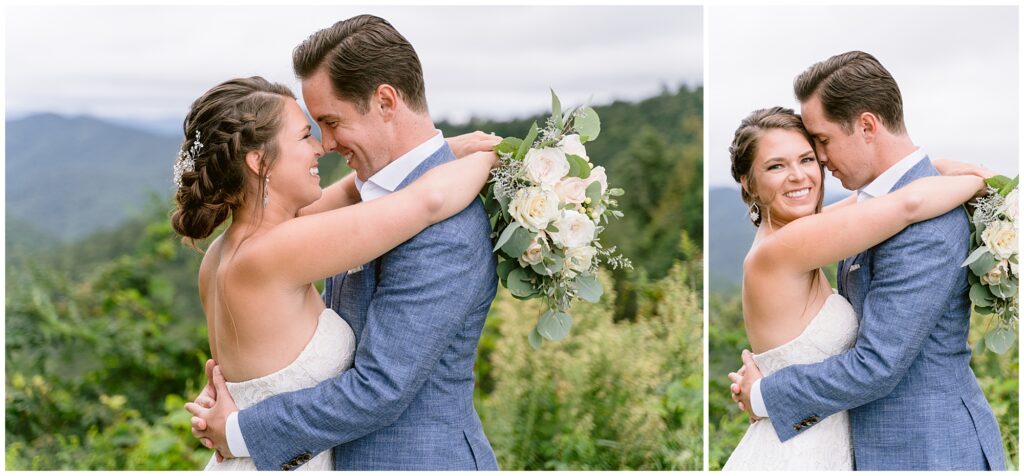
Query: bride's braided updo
232, 119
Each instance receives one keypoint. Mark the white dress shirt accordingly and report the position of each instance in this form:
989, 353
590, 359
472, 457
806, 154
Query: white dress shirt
878, 187
383, 182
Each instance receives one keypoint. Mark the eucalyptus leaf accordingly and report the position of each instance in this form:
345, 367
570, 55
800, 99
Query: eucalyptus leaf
983, 264
535, 339
508, 145
554, 325
594, 193
519, 283
527, 142
541, 269
518, 243
1000, 340
589, 288
983, 311
507, 235
504, 268
974, 256
980, 295
588, 125
997, 181
1005, 290
556, 109
578, 166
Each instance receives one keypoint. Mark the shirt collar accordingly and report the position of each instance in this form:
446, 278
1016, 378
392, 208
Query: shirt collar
885, 182
388, 179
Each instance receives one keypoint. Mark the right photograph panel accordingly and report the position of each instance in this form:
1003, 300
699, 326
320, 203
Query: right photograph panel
863, 251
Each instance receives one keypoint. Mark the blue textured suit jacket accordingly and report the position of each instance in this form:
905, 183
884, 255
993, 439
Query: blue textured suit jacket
913, 400
417, 313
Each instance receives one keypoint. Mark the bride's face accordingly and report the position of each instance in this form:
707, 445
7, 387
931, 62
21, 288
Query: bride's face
787, 175
294, 177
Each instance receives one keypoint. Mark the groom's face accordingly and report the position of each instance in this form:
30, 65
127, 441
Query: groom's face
362, 139
844, 154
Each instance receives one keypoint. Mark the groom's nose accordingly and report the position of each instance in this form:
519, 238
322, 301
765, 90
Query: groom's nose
328, 142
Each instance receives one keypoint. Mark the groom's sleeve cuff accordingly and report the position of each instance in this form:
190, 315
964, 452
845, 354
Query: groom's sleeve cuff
236, 444
756, 402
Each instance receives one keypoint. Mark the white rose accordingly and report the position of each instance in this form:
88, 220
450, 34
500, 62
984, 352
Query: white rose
996, 274
546, 166
1010, 208
574, 230
578, 260
597, 175
534, 207
572, 146
533, 255
1001, 239
572, 190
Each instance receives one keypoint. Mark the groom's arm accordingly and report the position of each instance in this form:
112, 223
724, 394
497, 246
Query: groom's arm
424, 295
913, 275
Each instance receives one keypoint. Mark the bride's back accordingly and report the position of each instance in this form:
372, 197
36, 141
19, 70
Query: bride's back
257, 325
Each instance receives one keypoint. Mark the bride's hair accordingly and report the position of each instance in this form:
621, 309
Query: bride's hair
230, 120
743, 150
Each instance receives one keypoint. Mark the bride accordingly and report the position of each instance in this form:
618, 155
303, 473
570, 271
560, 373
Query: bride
249, 155
781, 179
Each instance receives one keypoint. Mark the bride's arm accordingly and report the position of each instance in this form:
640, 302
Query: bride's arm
308, 248
339, 194
814, 241
344, 193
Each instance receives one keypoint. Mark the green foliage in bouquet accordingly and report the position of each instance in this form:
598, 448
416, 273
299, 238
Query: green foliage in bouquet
994, 260
547, 204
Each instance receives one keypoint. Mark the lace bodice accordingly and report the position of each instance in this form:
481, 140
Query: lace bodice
826, 445
327, 354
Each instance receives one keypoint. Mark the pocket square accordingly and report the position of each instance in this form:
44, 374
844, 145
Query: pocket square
853, 268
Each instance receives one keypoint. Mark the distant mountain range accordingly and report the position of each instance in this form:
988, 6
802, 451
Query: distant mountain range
730, 236
70, 176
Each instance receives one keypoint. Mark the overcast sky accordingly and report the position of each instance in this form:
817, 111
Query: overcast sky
496, 62
957, 68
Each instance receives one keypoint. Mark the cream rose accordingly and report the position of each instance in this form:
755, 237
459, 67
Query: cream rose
597, 175
579, 260
571, 145
574, 230
545, 166
533, 255
996, 274
572, 190
1001, 239
1010, 208
534, 207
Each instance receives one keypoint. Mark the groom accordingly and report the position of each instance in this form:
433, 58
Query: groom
913, 401
417, 312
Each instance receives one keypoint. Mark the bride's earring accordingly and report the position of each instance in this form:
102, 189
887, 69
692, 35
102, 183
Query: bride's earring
755, 212
266, 191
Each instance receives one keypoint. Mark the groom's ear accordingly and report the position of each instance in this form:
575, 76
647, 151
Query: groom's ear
386, 101
868, 125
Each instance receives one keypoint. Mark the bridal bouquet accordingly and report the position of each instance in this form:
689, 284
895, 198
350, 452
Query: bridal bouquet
994, 260
547, 204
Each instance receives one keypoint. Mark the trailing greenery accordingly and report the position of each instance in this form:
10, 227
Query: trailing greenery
105, 338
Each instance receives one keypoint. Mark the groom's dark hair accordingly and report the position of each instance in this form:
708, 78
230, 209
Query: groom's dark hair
850, 84
360, 54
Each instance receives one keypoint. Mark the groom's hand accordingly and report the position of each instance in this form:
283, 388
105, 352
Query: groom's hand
208, 424
742, 382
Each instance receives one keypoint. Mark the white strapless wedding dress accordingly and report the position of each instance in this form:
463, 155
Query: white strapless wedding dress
328, 353
826, 445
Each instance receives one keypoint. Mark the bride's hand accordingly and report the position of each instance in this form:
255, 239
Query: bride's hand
213, 420
466, 144
953, 167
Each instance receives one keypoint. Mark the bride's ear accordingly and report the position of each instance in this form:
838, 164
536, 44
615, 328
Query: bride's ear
253, 159
743, 184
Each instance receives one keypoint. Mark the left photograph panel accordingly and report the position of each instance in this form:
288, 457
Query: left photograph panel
351, 238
